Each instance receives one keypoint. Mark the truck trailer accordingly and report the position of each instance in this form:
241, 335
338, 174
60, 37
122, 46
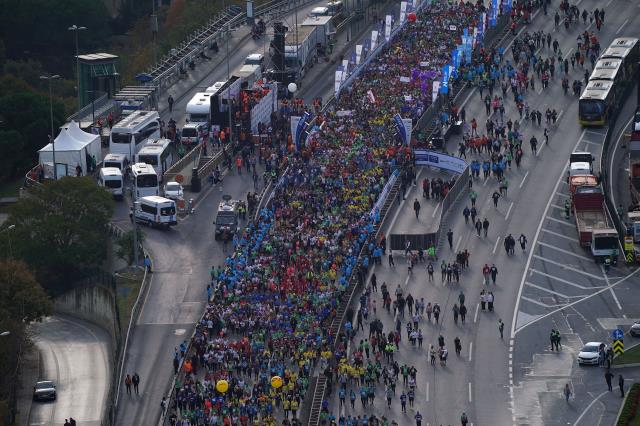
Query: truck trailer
595, 229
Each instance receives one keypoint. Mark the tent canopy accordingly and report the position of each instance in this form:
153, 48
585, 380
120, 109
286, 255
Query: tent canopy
72, 147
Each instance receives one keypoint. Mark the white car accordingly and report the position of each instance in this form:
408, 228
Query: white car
635, 329
589, 354
173, 191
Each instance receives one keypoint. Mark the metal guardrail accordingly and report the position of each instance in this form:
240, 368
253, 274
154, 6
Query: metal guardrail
87, 109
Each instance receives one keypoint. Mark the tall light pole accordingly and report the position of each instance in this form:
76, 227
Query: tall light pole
52, 135
229, 87
75, 29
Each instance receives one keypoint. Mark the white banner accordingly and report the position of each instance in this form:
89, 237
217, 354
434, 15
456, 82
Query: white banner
374, 40
338, 80
442, 161
358, 53
434, 92
405, 79
387, 28
345, 67
403, 12
294, 125
408, 125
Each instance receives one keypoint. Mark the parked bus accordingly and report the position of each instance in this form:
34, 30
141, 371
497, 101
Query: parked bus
199, 108
145, 180
130, 134
110, 178
157, 153
628, 50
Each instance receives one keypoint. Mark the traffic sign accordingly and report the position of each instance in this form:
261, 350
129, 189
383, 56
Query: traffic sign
618, 346
629, 257
618, 334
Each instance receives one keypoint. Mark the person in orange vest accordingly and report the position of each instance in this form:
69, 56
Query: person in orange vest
239, 164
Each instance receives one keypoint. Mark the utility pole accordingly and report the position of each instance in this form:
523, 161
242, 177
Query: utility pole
75, 29
133, 215
52, 135
229, 87
154, 29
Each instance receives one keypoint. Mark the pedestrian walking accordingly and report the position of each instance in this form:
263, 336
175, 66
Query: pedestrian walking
136, 382
567, 392
523, 241
170, 102
450, 238
608, 376
493, 271
501, 328
621, 385
416, 207
464, 420
127, 384
485, 226
391, 262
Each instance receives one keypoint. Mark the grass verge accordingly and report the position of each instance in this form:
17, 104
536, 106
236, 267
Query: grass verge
128, 285
630, 356
629, 413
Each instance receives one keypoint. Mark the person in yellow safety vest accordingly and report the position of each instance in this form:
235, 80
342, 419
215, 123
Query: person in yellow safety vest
294, 407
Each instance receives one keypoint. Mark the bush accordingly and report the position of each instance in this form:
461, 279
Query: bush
630, 408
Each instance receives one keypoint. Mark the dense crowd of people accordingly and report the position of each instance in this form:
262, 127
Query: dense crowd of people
272, 301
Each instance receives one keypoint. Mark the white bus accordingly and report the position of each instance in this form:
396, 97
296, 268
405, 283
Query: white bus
157, 153
118, 161
110, 178
145, 180
132, 132
199, 108
156, 211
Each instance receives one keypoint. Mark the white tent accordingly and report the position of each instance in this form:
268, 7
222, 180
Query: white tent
72, 147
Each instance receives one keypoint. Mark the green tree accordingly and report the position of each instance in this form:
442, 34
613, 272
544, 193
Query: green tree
61, 230
125, 246
22, 300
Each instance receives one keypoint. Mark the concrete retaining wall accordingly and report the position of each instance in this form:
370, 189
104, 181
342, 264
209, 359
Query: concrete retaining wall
95, 304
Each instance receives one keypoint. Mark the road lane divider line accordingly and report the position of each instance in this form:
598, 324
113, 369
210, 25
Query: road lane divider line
579, 256
475, 317
524, 178
470, 351
548, 231
509, 211
613, 294
495, 246
470, 399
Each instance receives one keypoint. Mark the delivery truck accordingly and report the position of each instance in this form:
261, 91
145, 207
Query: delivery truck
595, 228
300, 50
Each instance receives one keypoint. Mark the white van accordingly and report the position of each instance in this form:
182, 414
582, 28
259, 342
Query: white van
118, 161
156, 211
193, 133
319, 11
111, 179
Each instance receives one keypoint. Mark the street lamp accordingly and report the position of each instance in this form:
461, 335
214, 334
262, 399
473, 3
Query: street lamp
75, 29
52, 136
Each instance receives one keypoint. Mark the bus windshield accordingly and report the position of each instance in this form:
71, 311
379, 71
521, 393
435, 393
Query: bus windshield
189, 132
112, 183
121, 137
591, 107
606, 243
147, 181
112, 164
199, 118
152, 160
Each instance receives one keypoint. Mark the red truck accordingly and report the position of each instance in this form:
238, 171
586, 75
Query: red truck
595, 229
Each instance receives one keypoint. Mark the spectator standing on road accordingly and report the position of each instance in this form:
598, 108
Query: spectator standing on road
170, 102
136, 382
416, 207
501, 328
621, 385
450, 238
127, 383
608, 376
567, 392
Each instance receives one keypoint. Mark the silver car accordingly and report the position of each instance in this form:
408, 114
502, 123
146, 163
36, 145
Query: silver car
635, 329
44, 390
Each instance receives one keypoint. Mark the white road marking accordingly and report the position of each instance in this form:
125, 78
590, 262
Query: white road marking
562, 222
608, 3
524, 178
577, 422
470, 399
564, 266
475, 317
615, 148
606, 279
427, 391
535, 302
509, 211
592, 143
562, 280
622, 26
458, 243
555, 206
565, 251
575, 240
572, 304
434, 210
557, 293
470, 351
495, 246
560, 194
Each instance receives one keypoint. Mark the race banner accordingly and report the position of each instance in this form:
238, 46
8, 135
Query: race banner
403, 12
434, 91
442, 161
374, 40
358, 53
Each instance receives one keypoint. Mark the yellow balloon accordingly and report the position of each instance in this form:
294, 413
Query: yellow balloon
276, 382
222, 386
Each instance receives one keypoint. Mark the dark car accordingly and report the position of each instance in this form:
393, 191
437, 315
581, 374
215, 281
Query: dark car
44, 391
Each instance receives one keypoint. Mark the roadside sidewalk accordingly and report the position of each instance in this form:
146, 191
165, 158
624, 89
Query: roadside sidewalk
29, 374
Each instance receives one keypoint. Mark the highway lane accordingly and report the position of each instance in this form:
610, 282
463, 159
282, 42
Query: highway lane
563, 289
487, 371
76, 355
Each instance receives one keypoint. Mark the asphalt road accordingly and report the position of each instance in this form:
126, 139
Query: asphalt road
182, 260
518, 380
76, 355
